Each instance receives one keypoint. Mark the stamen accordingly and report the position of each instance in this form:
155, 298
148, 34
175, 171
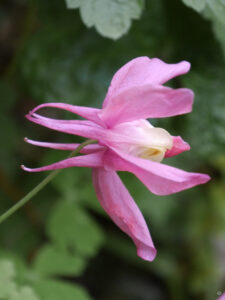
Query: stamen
153, 154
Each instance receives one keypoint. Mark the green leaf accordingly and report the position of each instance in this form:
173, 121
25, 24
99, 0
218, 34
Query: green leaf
23, 293
214, 11
73, 3
111, 19
198, 5
53, 261
218, 9
7, 277
70, 227
219, 29
53, 289
35, 286
7, 271
18, 266
9, 290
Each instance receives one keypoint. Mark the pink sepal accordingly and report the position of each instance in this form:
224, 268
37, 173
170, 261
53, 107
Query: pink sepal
93, 160
179, 146
120, 206
83, 128
146, 101
85, 112
159, 178
141, 71
61, 146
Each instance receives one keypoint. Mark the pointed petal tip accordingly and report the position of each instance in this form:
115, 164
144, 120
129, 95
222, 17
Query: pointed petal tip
204, 178
29, 141
31, 112
187, 146
146, 252
23, 167
160, 179
28, 116
186, 66
181, 67
199, 178
179, 146
37, 108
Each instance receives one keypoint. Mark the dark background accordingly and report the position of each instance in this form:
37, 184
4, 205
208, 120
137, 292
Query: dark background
62, 245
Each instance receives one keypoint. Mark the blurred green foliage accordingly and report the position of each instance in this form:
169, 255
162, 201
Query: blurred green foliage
112, 19
35, 285
8, 285
62, 245
214, 11
210, 131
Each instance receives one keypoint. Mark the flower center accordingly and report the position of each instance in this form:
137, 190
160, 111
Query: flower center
153, 154
141, 139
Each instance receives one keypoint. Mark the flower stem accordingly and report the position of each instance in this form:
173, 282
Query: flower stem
41, 185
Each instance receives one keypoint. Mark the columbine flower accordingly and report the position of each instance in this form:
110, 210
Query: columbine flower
128, 142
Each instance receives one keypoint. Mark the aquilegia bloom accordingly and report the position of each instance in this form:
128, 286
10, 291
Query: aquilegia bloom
128, 142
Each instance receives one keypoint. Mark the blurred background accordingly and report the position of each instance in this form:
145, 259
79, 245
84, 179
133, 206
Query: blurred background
62, 245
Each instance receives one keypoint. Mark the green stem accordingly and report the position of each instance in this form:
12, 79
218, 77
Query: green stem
41, 185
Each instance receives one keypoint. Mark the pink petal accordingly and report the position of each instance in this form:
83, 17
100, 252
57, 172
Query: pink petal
141, 71
60, 146
83, 128
85, 112
159, 178
119, 205
146, 101
222, 297
77, 122
179, 146
93, 160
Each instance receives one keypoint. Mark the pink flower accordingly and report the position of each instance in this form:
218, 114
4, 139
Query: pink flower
128, 142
